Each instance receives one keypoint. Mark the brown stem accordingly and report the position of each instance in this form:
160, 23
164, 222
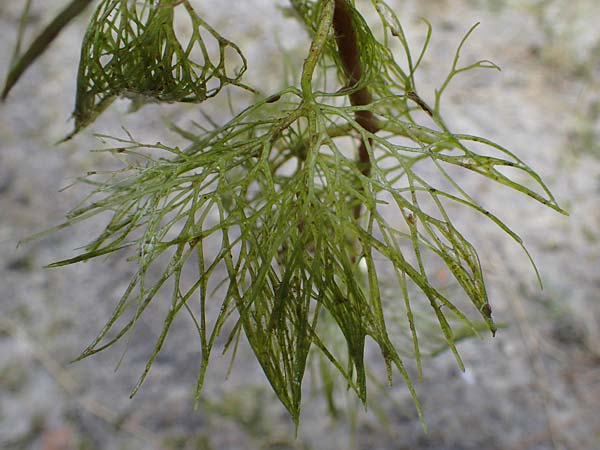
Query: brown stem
345, 37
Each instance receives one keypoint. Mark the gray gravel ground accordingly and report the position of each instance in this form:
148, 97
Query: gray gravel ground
536, 386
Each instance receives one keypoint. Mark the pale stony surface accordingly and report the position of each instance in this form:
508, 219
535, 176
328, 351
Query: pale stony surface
536, 386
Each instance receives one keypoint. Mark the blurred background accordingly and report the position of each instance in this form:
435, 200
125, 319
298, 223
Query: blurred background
536, 385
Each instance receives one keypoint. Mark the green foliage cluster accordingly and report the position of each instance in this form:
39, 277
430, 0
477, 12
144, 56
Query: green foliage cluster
131, 50
303, 239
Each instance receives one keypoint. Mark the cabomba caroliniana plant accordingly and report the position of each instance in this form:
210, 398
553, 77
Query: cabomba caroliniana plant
312, 193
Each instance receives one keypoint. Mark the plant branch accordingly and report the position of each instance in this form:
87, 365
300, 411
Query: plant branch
316, 48
345, 36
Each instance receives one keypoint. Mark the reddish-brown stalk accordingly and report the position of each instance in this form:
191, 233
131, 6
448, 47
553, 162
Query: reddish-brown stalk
345, 36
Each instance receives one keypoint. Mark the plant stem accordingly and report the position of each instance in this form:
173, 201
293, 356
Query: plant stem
316, 48
41, 42
345, 36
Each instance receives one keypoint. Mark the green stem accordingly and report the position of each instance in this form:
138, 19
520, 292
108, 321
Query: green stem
42, 41
316, 49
